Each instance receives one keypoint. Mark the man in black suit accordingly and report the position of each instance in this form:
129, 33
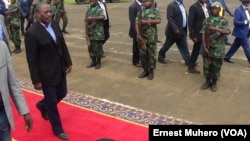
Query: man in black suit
197, 13
176, 31
134, 8
103, 6
49, 62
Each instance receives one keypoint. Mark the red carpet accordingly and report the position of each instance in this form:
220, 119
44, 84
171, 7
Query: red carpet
81, 124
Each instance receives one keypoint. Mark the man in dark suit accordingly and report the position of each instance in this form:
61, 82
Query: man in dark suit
103, 5
240, 31
133, 10
49, 62
176, 31
197, 13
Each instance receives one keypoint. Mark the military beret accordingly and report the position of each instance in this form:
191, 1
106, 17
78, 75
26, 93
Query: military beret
216, 4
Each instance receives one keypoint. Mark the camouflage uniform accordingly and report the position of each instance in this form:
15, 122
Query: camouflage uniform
96, 36
61, 13
148, 55
13, 23
33, 9
53, 9
212, 65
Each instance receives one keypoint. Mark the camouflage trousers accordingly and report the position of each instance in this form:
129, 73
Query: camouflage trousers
62, 15
148, 56
15, 35
212, 67
95, 49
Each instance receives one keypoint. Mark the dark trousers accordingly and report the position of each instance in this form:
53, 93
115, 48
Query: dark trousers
235, 46
194, 55
5, 133
52, 96
22, 19
106, 31
135, 55
181, 45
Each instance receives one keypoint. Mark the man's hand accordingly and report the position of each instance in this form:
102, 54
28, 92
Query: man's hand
68, 69
177, 31
28, 122
195, 40
38, 86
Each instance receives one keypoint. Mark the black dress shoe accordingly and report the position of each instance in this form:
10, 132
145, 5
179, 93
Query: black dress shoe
63, 136
162, 60
137, 65
18, 51
143, 74
64, 31
228, 60
194, 71
42, 111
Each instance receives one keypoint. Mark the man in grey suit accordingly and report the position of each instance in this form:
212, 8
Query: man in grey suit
4, 31
9, 87
176, 31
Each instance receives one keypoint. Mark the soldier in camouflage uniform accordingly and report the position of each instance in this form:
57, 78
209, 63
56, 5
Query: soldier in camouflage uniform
13, 25
61, 13
33, 9
146, 30
53, 8
213, 51
95, 32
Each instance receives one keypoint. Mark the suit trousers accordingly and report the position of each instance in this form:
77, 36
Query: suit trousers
106, 31
181, 45
194, 55
135, 55
235, 46
5, 134
52, 96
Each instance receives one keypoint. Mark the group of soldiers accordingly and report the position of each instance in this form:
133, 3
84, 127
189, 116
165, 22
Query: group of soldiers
19, 10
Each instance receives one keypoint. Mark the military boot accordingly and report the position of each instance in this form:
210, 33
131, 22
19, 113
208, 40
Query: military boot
144, 73
151, 74
92, 63
14, 51
214, 85
98, 63
18, 49
207, 84
64, 30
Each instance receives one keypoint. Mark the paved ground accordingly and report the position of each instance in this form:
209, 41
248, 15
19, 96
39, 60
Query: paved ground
173, 92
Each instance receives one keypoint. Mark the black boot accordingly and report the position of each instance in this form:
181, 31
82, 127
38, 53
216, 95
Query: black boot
151, 74
144, 73
14, 51
64, 31
92, 63
23, 33
207, 84
18, 49
214, 85
98, 64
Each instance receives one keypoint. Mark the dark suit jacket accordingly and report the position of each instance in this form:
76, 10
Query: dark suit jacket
241, 30
46, 58
196, 17
133, 10
175, 21
106, 23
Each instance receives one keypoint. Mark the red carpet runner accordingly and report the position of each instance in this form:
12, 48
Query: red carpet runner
81, 124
